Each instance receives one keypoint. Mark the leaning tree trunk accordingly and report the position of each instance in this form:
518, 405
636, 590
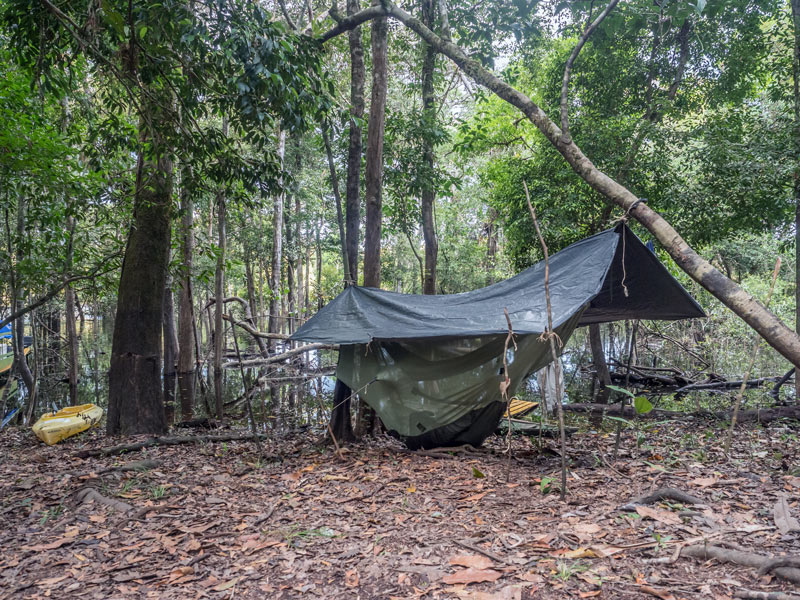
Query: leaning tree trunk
186, 325
354, 151
373, 177
428, 195
755, 314
135, 394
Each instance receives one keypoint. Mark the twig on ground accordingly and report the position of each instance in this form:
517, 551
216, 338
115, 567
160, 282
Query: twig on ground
479, 550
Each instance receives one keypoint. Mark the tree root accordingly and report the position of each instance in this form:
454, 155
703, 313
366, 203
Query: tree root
755, 595
665, 493
167, 441
89, 493
136, 465
747, 559
777, 563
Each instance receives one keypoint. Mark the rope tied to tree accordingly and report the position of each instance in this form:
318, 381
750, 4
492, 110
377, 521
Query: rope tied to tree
624, 219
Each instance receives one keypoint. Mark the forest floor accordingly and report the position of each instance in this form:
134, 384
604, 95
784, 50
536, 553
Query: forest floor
216, 521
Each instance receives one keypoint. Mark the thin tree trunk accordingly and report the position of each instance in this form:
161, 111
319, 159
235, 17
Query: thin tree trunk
72, 335
354, 151
491, 246
796, 186
373, 177
170, 351
600, 365
219, 306
337, 198
277, 254
428, 195
186, 325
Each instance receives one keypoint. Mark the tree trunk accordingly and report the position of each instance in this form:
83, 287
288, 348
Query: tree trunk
796, 186
491, 245
219, 306
186, 336
277, 254
600, 365
340, 423
170, 351
354, 151
428, 195
374, 168
72, 335
755, 314
135, 394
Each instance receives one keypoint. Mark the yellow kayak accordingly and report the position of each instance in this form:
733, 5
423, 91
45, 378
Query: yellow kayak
54, 427
519, 408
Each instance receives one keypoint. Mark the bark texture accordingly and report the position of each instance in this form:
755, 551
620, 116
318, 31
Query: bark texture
186, 338
135, 394
355, 147
428, 195
374, 168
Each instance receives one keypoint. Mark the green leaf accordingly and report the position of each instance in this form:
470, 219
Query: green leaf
701, 4
620, 390
642, 405
477, 474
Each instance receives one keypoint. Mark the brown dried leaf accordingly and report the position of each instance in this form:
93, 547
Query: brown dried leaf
784, 521
657, 514
475, 561
472, 576
351, 578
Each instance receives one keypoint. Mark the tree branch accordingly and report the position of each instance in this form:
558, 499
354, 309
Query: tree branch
571, 60
56, 289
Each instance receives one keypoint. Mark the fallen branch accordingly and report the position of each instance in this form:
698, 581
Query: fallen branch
89, 493
762, 415
166, 441
258, 362
746, 559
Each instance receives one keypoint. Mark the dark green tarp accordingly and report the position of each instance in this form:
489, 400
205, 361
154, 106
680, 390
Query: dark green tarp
430, 366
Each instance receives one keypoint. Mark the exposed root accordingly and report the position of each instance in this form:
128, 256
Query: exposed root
755, 595
665, 493
747, 559
166, 441
89, 493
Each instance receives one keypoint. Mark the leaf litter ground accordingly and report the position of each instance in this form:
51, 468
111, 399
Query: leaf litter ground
215, 521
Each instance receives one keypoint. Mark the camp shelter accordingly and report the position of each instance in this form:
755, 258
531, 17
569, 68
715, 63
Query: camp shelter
431, 366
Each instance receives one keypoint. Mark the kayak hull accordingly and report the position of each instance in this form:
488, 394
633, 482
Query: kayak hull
55, 427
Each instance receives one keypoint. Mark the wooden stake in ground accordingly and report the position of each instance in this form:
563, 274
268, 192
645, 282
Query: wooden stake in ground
551, 336
753, 355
